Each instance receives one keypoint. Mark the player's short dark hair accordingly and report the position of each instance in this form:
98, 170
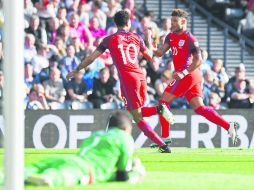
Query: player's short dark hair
180, 13
120, 119
97, 3
149, 14
121, 18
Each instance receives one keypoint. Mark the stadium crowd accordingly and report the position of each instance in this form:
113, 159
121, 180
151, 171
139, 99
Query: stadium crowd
60, 33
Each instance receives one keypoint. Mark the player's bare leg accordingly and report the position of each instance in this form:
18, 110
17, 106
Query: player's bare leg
210, 114
147, 129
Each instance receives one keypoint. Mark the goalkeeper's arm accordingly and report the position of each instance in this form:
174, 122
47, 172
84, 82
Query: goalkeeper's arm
134, 175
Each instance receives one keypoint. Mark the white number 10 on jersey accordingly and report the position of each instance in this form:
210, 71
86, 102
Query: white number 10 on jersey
127, 55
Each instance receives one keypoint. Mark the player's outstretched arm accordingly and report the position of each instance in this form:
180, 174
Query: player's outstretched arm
162, 50
138, 171
84, 63
135, 175
148, 55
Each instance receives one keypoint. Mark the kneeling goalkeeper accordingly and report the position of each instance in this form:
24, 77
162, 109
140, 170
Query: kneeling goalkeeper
104, 156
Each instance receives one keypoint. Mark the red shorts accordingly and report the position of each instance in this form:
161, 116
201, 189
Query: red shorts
133, 94
189, 86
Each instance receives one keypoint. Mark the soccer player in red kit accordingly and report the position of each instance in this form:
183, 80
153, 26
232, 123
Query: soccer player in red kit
186, 78
124, 48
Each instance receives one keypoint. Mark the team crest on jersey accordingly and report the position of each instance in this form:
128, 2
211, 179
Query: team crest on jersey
181, 43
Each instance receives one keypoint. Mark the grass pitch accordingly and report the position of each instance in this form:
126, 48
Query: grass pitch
184, 169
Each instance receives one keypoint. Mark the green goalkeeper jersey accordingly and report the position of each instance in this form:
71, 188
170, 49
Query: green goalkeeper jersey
108, 152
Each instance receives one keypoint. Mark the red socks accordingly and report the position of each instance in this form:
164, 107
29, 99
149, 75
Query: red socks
165, 126
149, 132
149, 111
210, 114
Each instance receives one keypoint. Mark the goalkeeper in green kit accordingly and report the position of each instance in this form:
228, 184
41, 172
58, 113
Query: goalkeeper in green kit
104, 156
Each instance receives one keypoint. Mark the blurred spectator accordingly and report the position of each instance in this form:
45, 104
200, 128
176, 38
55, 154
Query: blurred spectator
93, 69
77, 90
40, 61
146, 26
130, 4
113, 7
240, 97
79, 48
214, 101
162, 82
56, 5
37, 99
70, 62
52, 30
58, 49
206, 64
29, 79
71, 5
166, 26
170, 66
135, 24
54, 90
239, 75
246, 25
78, 29
97, 12
151, 92
45, 72
29, 10
148, 22
61, 15
65, 35
38, 32
95, 28
30, 50
153, 70
33, 103
220, 75
209, 86
151, 17
117, 88
83, 13
112, 30
103, 89
45, 9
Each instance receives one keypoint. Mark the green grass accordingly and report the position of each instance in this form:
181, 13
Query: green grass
184, 169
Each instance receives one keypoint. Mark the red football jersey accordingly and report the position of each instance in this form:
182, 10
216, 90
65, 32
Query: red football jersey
183, 46
124, 48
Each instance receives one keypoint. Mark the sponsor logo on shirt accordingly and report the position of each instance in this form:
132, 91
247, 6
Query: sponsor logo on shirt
181, 43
